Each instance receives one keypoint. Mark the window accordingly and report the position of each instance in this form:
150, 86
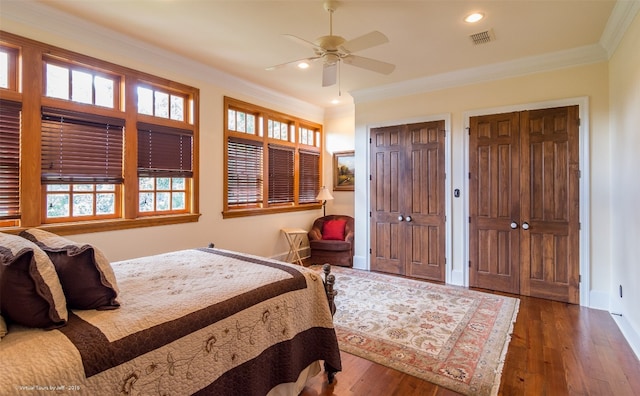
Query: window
81, 162
80, 85
9, 162
164, 168
269, 172
8, 68
158, 103
66, 157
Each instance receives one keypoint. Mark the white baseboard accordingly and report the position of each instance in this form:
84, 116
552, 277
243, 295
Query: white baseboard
457, 278
632, 336
360, 262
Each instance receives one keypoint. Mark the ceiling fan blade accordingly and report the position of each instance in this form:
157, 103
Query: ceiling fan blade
281, 65
369, 64
302, 41
365, 41
329, 74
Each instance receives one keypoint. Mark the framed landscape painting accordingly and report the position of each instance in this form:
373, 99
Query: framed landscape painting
344, 170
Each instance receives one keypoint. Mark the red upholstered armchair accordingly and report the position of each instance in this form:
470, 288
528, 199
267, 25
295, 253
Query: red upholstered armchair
331, 240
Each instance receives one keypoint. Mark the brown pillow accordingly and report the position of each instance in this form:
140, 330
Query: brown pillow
86, 275
30, 291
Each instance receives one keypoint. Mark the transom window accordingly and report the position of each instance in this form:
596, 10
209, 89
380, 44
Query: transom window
162, 104
82, 85
8, 67
273, 172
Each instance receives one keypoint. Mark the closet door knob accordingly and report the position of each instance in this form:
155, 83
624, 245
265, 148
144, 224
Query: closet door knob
408, 219
514, 225
400, 218
525, 226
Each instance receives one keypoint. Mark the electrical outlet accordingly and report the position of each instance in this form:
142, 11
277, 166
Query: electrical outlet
620, 291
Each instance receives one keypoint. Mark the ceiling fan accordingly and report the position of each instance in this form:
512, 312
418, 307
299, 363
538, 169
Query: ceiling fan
335, 49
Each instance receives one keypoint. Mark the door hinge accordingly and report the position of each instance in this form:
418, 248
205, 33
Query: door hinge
370, 177
579, 226
370, 214
469, 263
370, 252
445, 219
469, 175
469, 219
579, 278
468, 130
370, 140
578, 120
579, 174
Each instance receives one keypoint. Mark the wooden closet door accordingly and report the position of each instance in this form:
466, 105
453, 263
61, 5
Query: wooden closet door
494, 202
386, 189
407, 200
549, 259
524, 203
425, 202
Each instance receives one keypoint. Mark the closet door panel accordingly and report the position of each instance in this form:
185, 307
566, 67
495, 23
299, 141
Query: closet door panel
425, 217
494, 192
550, 204
387, 174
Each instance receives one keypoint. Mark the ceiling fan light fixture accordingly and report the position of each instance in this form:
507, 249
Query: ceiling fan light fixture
474, 17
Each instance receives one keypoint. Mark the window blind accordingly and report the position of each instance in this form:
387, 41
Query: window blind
309, 184
81, 148
9, 160
244, 173
164, 151
281, 174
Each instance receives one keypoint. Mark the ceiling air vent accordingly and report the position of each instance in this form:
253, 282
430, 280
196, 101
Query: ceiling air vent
483, 37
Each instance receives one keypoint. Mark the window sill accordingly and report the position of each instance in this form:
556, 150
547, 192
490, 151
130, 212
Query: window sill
227, 214
109, 225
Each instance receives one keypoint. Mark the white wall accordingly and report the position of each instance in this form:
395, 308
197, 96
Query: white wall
338, 129
624, 82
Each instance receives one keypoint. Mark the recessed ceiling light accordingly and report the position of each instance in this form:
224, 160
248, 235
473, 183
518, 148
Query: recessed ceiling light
335, 101
475, 17
303, 65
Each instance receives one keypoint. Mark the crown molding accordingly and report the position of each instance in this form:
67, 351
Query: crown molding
35, 20
497, 71
622, 15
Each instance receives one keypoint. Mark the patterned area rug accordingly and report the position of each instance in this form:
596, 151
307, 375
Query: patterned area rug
451, 336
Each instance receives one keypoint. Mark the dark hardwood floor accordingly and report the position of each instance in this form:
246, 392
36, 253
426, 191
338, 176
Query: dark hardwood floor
556, 349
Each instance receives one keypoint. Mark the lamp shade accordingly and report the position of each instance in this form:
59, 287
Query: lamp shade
324, 194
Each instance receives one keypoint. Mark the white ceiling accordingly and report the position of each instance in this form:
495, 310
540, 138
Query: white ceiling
426, 38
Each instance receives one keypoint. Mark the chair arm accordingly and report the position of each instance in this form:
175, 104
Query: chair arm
314, 234
349, 236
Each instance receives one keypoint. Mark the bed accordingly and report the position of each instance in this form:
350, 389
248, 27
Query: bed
198, 321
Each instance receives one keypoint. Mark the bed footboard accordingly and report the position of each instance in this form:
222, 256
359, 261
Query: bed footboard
329, 281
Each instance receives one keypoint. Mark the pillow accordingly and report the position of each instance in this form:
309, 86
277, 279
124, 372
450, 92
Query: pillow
334, 229
85, 273
30, 291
